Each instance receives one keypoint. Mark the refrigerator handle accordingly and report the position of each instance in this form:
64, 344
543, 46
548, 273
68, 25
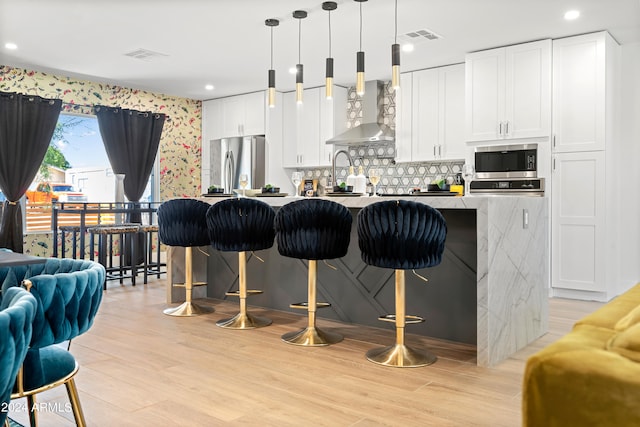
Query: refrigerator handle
228, 172
232, 171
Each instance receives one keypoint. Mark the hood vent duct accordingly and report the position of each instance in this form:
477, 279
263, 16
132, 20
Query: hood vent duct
371, 130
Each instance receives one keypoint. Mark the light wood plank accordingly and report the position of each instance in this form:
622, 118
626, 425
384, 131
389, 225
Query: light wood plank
139, 367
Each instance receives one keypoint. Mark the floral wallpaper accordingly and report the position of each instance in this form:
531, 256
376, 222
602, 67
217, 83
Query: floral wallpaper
180, 145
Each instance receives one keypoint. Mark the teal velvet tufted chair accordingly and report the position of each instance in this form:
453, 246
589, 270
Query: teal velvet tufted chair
68, 293
17, 310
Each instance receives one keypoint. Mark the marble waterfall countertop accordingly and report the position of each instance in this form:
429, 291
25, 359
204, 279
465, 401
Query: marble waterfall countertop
512, 265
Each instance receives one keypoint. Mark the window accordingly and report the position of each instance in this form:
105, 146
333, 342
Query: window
75, 169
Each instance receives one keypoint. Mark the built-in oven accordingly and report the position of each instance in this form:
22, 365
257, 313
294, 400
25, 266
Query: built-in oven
508, 186
507, 170
507, 161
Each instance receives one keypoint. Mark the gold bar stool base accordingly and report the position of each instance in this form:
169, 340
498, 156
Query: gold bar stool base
400, 356
312, 337
246, 321
188, 309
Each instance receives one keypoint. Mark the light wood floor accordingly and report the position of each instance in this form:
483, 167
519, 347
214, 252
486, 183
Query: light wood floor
139, 367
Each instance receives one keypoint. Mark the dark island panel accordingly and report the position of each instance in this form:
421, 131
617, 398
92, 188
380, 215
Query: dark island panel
359, 293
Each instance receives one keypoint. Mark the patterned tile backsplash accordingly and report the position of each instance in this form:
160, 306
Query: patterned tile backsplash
397, 178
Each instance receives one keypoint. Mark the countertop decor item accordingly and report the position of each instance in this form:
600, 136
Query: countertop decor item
343, 194
342, 188
217, 195
270, 189
269, 194
215, 190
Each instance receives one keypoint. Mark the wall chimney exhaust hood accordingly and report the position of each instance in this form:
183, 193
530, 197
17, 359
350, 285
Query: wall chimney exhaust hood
371, 129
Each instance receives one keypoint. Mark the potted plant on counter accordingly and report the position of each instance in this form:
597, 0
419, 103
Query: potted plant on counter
343, 188
270, 189
213, 189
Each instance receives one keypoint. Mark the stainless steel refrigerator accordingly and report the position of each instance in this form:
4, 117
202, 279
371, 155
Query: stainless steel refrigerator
231, 157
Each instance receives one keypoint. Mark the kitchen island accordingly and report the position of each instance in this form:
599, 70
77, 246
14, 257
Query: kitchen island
491, 289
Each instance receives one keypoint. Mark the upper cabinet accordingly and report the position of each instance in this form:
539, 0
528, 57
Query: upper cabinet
508, 92
582, 79
237, 115
307, 127
430, 115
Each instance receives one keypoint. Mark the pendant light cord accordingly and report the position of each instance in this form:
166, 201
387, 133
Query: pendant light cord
299, 39
329, 34
395, 28
360, 26
272, 48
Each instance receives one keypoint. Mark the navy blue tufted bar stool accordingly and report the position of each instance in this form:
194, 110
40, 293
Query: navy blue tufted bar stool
240, 225
17, 310
312, 229
402, 235
68, 293
183, 222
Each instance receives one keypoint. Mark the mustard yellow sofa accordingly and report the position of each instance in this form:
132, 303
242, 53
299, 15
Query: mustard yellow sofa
591, 376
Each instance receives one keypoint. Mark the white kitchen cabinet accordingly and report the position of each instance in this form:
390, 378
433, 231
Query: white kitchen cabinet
307, 127
579, 217
430, 115
404, 97
508, 92
237, 115
582, 91
586, 201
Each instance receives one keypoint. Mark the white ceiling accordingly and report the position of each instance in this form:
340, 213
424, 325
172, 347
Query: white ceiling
226, 43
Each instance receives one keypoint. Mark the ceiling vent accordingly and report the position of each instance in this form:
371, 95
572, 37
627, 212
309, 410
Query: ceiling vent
419, 36
144, 54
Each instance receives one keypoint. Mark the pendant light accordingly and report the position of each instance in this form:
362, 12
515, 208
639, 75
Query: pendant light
271, 94
395, 54
360, 59
299, 15
329, 6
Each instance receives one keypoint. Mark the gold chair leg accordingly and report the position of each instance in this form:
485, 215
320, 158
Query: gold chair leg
399, 355
72, 391
31, 408
188, 308
311, 335
243, 320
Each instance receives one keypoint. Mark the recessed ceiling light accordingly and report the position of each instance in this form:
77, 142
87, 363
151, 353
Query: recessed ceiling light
293, 70
407, 47
209, 87
571, 15
11, 46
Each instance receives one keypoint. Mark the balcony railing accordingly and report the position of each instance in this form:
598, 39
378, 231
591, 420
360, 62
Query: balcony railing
86, 215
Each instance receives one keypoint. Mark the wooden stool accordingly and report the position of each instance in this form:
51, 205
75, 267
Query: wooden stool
150, 266
107, 231
75, 230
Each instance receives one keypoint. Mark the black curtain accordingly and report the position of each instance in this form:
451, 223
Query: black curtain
131, 139
27, 123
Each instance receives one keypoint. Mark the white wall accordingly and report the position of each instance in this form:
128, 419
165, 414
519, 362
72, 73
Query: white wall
630, 166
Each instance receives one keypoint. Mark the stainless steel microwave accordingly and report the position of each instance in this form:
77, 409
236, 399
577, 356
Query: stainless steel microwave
507, 161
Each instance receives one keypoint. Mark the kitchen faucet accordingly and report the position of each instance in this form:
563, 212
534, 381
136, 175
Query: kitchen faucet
333, 163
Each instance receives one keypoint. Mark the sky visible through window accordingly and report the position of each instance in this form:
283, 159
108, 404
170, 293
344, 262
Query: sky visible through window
83, 146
